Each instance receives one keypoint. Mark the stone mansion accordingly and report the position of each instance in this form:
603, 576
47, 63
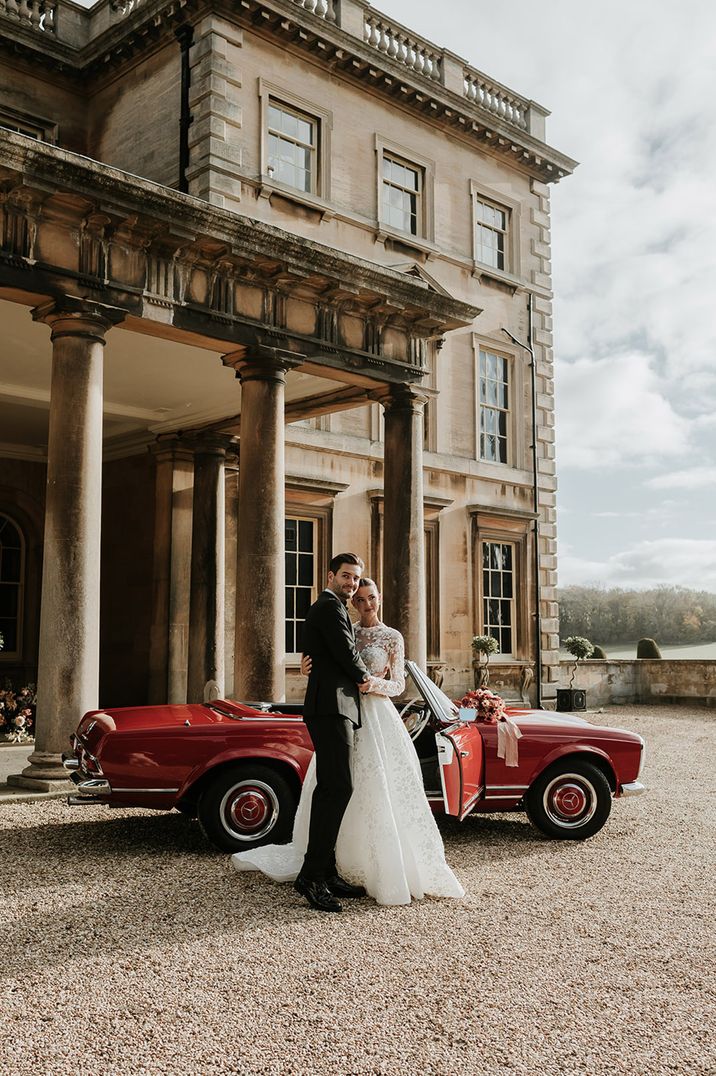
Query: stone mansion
274, 283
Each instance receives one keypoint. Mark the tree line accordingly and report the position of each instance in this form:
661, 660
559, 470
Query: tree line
671, 615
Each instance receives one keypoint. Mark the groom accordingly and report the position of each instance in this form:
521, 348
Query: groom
331, 712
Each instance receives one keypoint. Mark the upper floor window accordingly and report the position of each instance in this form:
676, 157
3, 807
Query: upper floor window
292, 147
490, 234
27, 124
494, 407
498, 593
402, 195
12, 553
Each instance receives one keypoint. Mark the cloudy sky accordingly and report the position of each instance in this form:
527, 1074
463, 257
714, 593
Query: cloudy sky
631, 86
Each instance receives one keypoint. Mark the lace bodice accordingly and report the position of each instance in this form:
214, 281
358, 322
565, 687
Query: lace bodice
383, 654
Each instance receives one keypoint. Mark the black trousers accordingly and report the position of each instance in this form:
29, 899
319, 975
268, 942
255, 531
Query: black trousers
332, 737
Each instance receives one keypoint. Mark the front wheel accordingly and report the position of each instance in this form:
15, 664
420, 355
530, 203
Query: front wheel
570, 800
245, 806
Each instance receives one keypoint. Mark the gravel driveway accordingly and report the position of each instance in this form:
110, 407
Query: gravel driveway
128, 947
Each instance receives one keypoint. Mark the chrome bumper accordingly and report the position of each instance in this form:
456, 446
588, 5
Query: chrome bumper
634, 788
89, 789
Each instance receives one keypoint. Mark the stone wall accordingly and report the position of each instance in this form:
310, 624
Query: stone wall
613, 682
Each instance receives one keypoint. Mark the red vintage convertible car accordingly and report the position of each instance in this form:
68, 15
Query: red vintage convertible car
239, 766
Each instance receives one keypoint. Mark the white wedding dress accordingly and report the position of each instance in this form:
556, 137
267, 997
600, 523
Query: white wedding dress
388, 841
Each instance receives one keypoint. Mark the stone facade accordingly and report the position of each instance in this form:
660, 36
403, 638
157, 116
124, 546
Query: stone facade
211, 189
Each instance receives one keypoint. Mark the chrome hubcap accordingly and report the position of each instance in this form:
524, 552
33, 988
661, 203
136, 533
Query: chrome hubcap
570, 800
249, 810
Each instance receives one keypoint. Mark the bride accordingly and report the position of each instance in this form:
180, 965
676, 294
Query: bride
388, 841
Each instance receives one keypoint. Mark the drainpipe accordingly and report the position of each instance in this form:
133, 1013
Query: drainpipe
185, 36
535, 495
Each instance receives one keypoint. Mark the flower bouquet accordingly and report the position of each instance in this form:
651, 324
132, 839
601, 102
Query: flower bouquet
491, 710
17, 713
490, 707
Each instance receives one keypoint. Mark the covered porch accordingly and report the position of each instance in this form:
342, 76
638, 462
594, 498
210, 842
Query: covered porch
142, 323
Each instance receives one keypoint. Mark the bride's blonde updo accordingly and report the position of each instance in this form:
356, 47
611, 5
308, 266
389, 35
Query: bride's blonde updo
367, 582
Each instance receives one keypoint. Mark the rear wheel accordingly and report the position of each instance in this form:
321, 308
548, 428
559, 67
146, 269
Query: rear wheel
245, 806
571, 800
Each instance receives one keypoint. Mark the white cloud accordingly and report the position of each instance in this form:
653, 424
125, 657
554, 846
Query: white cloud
688, 562
697, 477
614, 411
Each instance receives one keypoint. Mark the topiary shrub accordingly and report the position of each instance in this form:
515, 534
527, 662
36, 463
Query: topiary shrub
598, 654
647, 648
580, 648
483, 646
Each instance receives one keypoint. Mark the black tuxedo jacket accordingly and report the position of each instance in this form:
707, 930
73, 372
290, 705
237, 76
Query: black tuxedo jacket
337, 669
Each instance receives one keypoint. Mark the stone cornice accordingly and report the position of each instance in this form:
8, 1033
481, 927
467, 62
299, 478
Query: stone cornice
457, 101
177, 266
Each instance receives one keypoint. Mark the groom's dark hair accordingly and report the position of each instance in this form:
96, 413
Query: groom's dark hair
345, 558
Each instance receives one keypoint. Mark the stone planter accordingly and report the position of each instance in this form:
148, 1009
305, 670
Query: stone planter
571, 698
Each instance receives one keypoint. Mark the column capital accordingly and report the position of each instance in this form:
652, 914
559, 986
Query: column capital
402, 397
262, 363
209, 443
69, 315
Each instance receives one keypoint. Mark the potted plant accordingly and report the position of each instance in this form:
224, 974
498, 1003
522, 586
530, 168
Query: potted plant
572, 698
482, 645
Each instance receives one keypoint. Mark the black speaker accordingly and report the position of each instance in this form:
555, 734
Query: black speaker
570, 699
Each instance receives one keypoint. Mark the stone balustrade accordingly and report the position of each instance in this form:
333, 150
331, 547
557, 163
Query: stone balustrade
34, 14
495, 99
75, 27
322, 9
402, 46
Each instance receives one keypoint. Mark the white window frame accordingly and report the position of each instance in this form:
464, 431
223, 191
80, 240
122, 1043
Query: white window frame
485, 406
485, 597
26, 124
517, 415
426, 208
300, 517
272, 94
479, 193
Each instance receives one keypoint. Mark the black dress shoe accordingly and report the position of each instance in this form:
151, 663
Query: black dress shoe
317, 894
339, 887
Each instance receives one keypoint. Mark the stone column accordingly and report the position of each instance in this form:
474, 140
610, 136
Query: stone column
68, 663
405, 606
172, 565
206, 615
260, 573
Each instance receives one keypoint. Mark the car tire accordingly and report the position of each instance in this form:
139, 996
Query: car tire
245, 806
570, 801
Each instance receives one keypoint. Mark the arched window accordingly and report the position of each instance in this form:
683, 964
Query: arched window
12, 577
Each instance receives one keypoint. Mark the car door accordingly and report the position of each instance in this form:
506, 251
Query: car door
461, 761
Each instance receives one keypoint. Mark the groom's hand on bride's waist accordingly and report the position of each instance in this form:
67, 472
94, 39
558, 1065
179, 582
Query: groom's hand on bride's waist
364, 686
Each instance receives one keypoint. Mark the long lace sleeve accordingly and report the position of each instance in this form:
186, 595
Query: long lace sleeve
393, 683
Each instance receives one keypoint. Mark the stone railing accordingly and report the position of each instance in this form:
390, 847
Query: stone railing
495, 99
34, 14
76, 26
613, 681
323, 9
402, 46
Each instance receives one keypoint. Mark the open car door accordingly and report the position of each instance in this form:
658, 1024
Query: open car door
459, 745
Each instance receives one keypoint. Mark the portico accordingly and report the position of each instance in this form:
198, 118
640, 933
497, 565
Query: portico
307, 330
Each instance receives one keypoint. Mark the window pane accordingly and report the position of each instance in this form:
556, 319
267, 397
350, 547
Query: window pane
303, 602
10, 565
290, 569
291, 533
299, 637
290, 647
305, 535
305, 570
290, 604
274, 117
9, 633
8, 601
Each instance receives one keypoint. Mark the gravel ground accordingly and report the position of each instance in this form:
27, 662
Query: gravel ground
130, 948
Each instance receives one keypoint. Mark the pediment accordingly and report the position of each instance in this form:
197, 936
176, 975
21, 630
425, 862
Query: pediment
416, 270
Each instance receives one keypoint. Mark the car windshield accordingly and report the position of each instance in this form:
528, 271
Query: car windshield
442, 707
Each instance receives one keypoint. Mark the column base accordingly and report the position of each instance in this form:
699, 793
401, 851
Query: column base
44, 773
32, 784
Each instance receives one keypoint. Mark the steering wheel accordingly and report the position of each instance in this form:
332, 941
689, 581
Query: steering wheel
414, 720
